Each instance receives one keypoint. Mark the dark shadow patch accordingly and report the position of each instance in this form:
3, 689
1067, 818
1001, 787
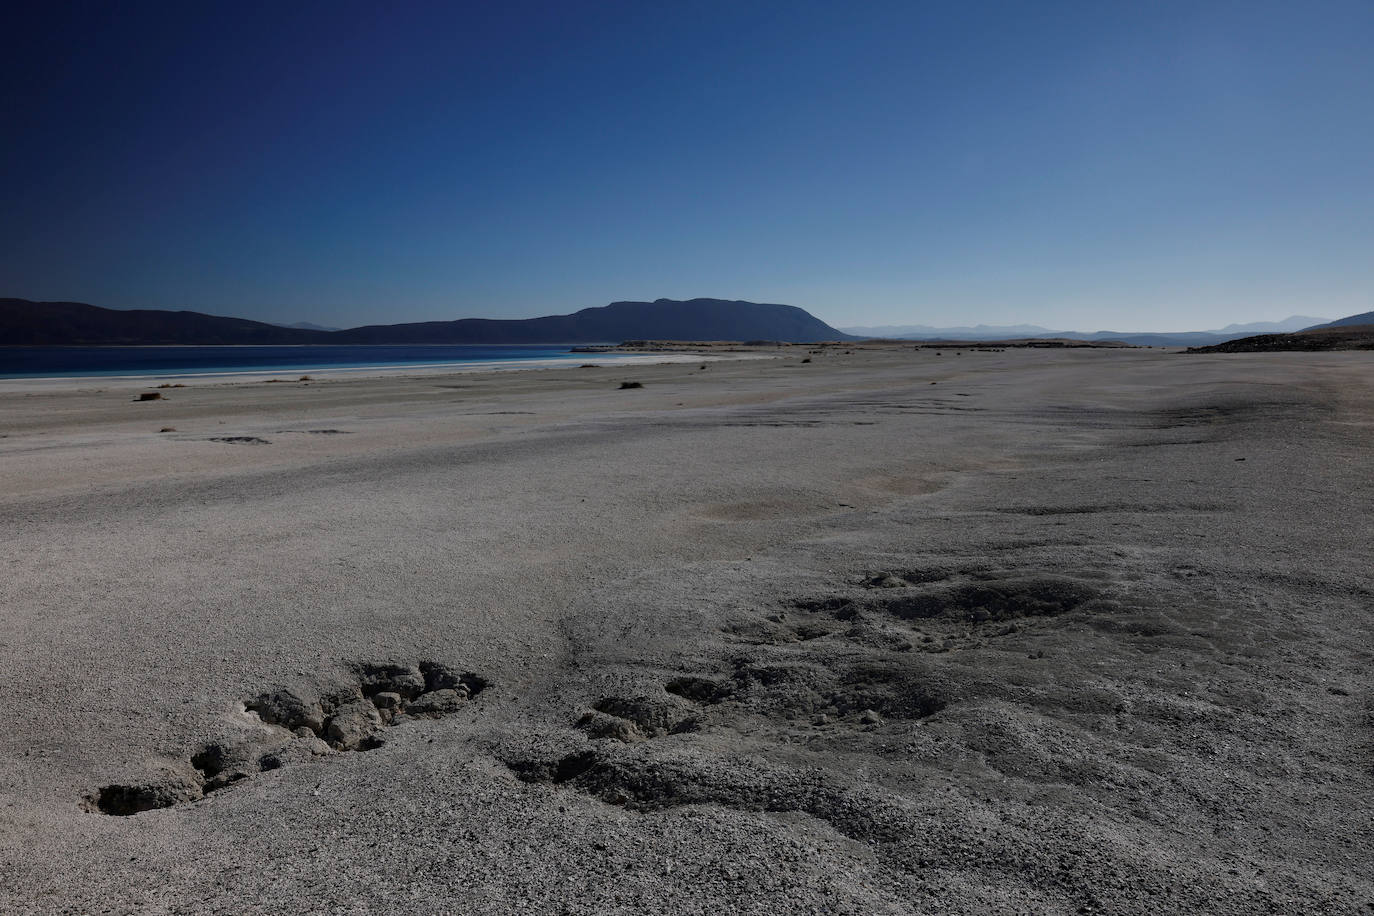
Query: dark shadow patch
644, 783
124, 799
699, 689
640, 718
1109, 508
991, 601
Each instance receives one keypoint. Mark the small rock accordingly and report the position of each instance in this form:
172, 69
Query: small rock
298, 751
870, 717
405, 680
440, 677
438, 703
601, 725
287, 709
351, 727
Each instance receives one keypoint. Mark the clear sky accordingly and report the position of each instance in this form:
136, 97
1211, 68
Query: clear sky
1133, 166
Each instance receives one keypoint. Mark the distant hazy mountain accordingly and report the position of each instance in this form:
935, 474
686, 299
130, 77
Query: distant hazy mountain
1291, 323
73, 323
1327, 337
1152, 339
1362, 318
1353, 332
976, 332
307, 326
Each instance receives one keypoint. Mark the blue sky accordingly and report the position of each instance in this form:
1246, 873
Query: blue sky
1157, 166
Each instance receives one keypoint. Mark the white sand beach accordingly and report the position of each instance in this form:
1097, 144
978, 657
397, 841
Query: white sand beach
1050, 631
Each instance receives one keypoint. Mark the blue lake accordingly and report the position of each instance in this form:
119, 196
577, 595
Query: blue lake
67, 362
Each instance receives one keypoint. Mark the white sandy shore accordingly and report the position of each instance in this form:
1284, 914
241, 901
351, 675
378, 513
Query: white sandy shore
886, 632
112, 380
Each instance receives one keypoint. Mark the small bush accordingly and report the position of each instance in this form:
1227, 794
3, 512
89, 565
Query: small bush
150, 396
624, 385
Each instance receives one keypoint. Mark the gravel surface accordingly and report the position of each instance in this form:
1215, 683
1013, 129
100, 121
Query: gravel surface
885, 632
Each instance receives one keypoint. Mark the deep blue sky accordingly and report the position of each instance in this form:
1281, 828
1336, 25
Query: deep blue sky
1078, 165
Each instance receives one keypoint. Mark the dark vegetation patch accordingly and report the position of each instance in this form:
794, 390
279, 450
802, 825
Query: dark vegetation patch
241, 440
624, 385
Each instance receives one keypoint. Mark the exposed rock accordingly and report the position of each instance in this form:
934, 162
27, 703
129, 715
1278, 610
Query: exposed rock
350, 728
298, 751
289, 710
405, 680
438, 703
601, 725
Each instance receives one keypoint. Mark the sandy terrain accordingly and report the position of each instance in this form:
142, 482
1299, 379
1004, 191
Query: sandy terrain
1079, 631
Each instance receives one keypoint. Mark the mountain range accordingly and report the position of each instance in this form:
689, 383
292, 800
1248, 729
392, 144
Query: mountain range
26, 323
1364, 318
1154, 338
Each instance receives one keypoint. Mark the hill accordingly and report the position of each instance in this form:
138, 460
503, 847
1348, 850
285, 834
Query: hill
1137, 338
1348, 321
1327, 337
27, 323
662, 319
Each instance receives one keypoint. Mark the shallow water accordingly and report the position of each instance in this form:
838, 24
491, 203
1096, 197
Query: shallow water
68, 362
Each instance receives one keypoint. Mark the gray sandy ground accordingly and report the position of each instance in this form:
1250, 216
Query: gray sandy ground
1062, 632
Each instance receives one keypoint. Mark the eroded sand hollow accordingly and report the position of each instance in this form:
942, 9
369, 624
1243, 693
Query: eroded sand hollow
1061, 632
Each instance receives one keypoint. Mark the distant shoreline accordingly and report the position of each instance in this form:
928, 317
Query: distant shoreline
336, 373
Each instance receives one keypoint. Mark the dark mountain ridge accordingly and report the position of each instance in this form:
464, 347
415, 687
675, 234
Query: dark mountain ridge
1350, 320
1353, 332
26, 323
1326, 337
